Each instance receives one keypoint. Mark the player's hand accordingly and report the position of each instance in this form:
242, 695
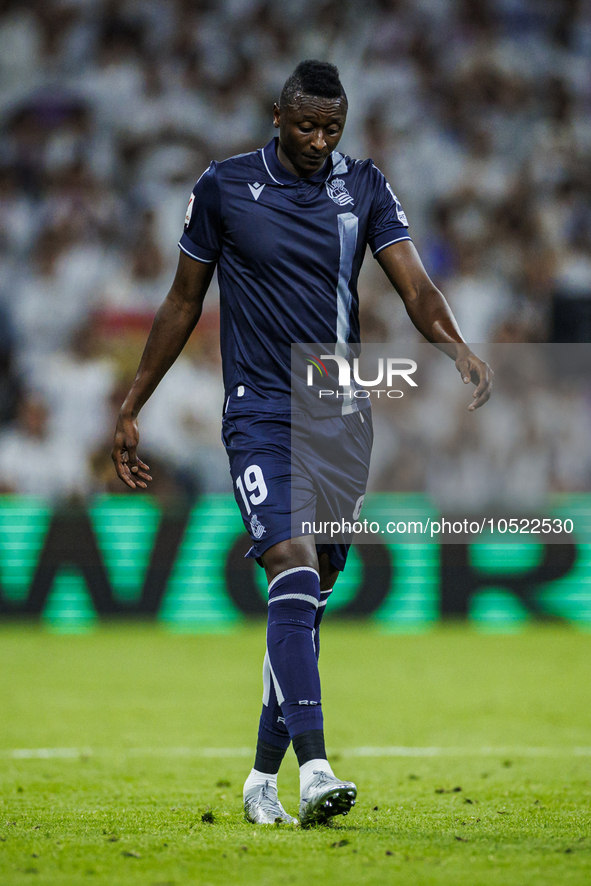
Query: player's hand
473, 369
130, 468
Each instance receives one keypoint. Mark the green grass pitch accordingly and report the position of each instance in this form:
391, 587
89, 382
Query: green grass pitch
123, 752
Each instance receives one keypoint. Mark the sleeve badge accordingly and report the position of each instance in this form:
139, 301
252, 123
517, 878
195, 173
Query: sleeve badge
189, 212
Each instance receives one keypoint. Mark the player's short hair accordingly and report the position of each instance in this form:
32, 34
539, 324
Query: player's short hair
311, 77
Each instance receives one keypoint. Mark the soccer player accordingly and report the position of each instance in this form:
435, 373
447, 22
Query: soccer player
287, 227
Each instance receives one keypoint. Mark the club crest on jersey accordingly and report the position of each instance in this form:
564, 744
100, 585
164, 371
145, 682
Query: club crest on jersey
256, 527
337, 191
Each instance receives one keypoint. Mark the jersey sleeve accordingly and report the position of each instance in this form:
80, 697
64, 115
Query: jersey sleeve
388, 223
202, 236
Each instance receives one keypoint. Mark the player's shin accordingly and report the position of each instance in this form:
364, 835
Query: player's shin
293, 605
273, 738
294, 596
272, 743
294, 619
291, 694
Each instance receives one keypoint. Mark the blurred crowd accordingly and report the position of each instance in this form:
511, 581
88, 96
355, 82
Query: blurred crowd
477, 111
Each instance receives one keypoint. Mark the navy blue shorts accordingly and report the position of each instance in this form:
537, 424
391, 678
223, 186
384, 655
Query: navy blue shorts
325, 481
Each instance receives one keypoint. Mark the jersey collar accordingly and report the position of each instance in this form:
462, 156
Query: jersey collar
283, 176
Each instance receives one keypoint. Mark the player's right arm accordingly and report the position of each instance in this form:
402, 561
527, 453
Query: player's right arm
173, 324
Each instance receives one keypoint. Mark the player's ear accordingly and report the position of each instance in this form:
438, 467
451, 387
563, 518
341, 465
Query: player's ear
276, 115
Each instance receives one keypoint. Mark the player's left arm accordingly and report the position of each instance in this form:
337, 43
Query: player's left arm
432, 316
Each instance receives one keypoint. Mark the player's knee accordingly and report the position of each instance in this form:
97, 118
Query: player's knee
294, 597
290, 554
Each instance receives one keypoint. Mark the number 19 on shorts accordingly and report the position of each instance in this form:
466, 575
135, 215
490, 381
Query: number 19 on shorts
253, 483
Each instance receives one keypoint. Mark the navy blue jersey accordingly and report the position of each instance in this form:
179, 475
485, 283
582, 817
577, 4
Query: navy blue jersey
289, 251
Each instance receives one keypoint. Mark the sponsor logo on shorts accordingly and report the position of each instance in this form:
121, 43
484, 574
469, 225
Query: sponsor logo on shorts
256, 527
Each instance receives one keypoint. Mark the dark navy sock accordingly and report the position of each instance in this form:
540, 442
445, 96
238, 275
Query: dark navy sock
293, 606
309, 746
272, 728
268, 758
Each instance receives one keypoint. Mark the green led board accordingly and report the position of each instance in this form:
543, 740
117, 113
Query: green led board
499, 587
196, 598
125, 529
23, 526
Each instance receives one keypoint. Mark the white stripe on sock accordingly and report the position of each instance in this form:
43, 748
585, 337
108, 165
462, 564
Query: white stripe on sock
307, 597
290, 572
278, 692
266, 679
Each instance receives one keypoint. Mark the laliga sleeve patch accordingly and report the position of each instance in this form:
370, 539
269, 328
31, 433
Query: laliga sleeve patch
400, 213
189, 210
